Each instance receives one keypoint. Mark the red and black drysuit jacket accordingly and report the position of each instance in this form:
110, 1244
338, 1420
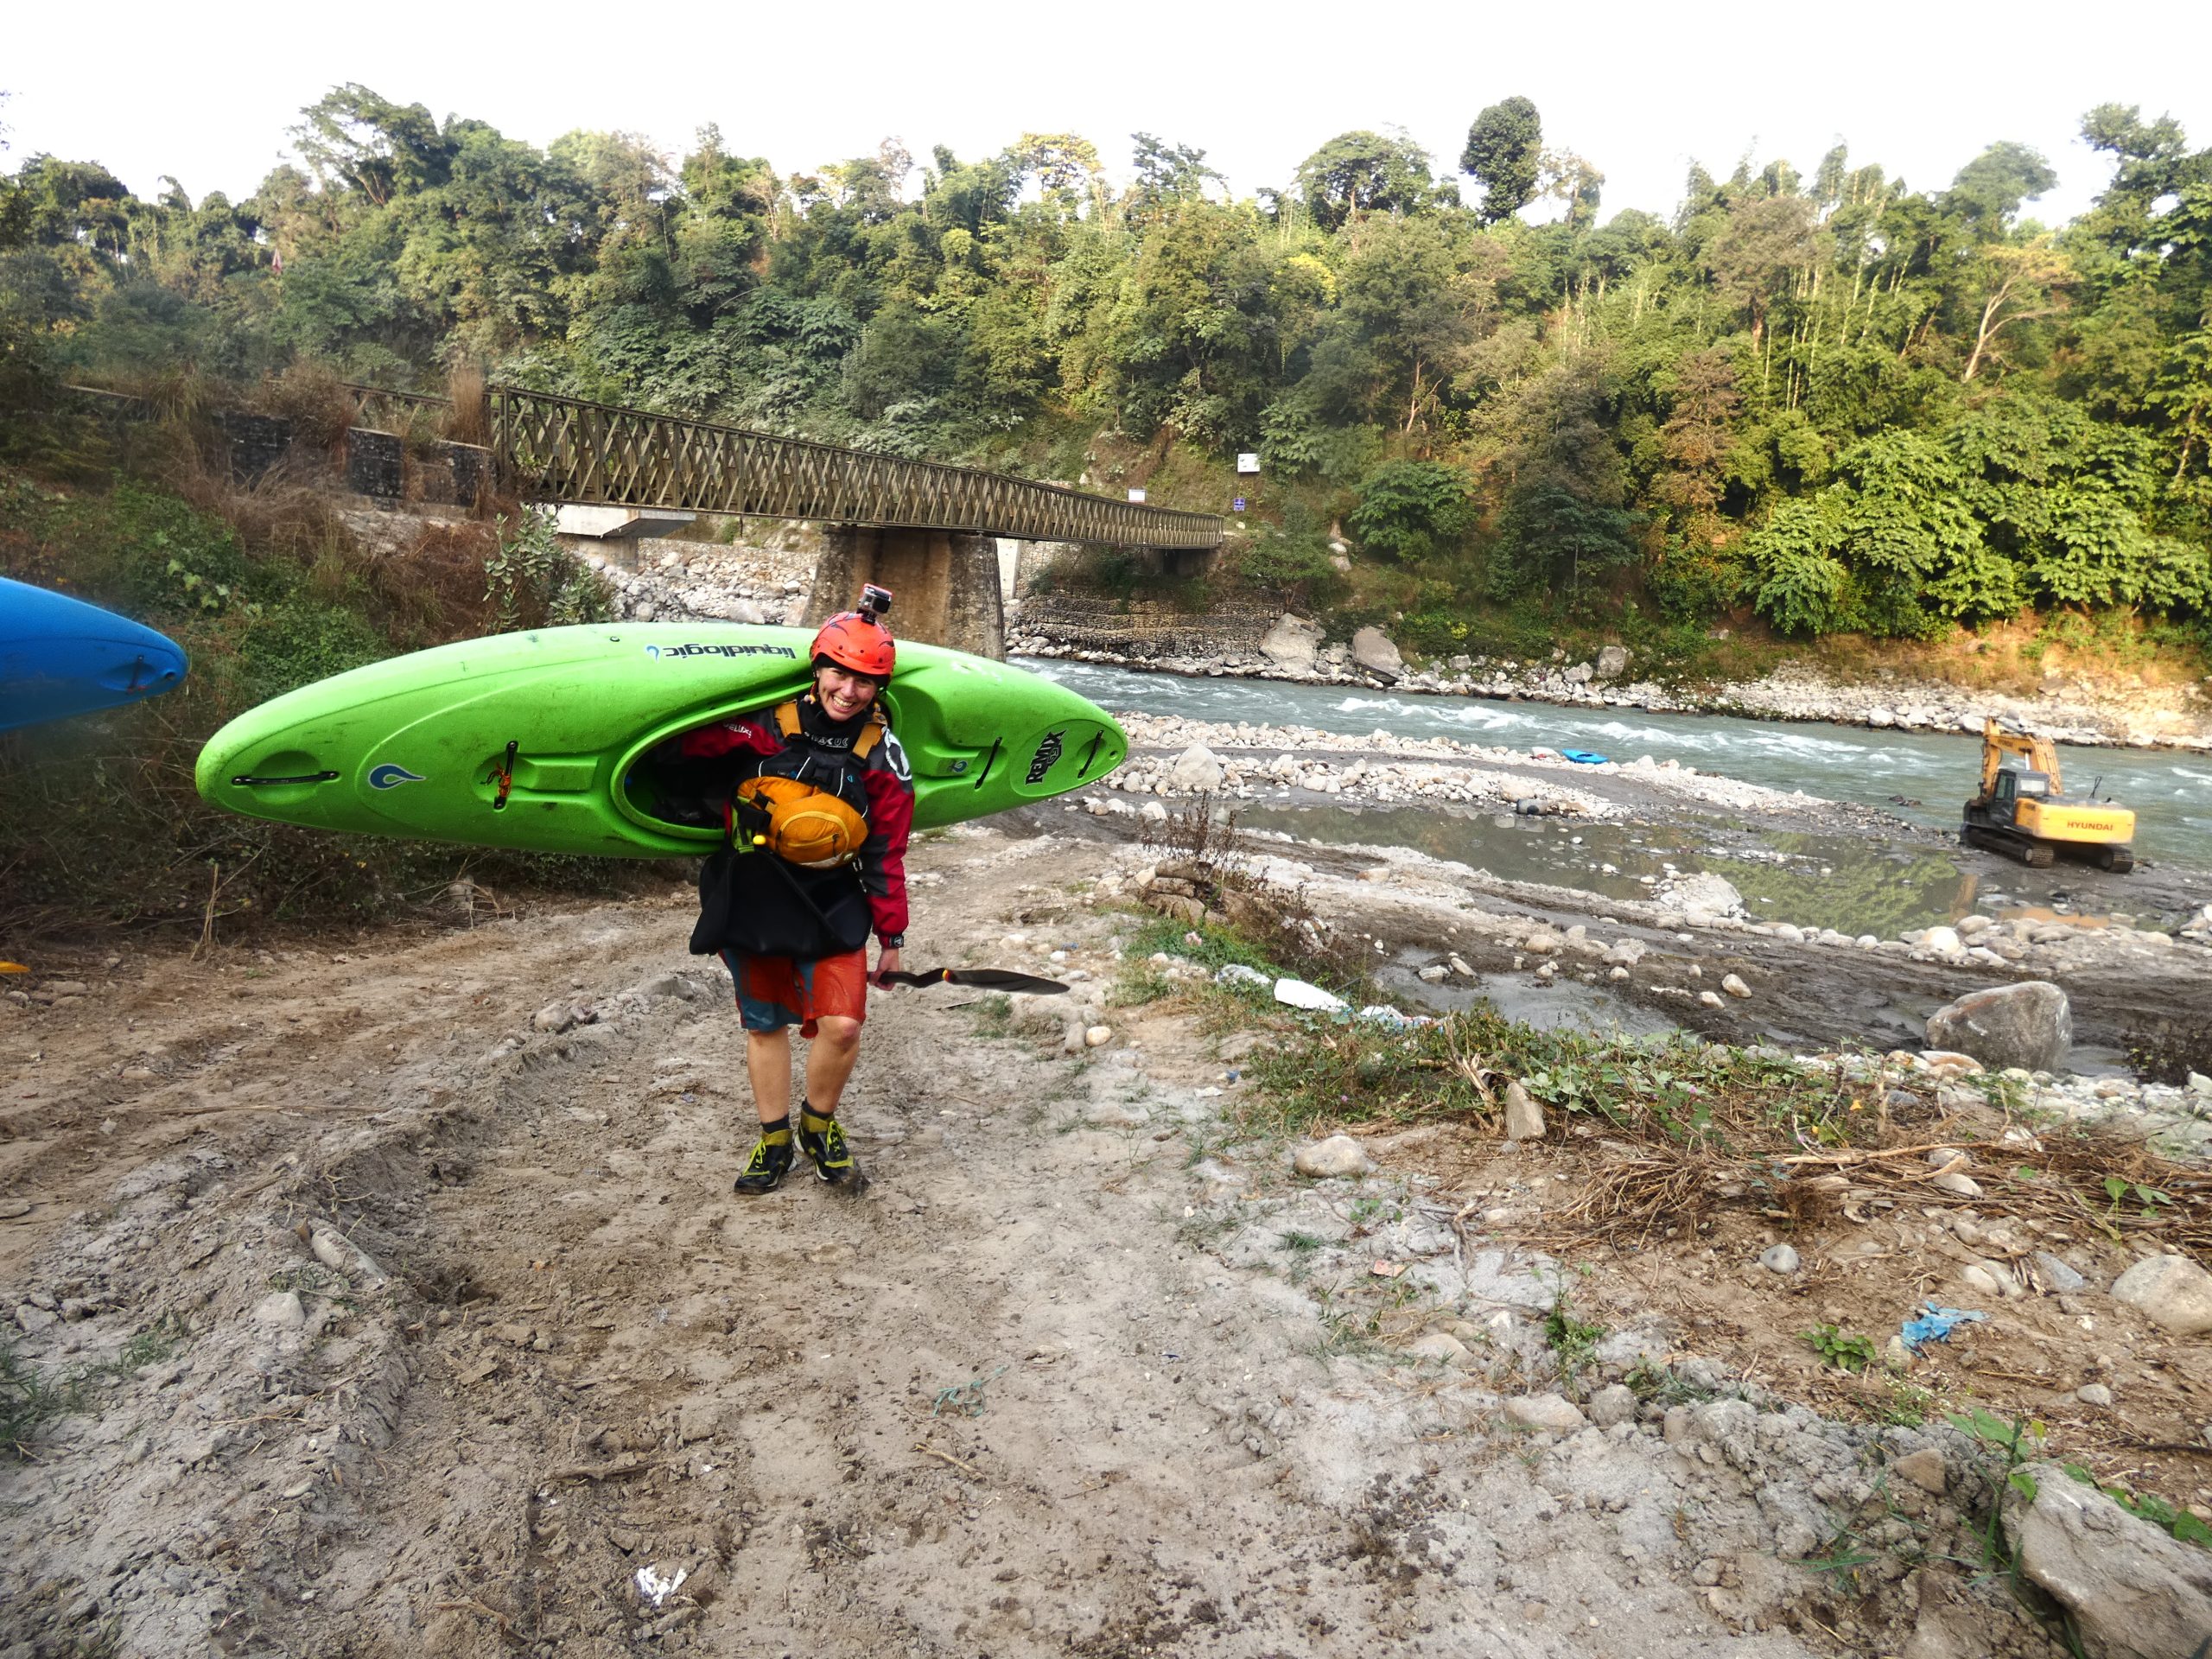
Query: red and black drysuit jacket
757, 904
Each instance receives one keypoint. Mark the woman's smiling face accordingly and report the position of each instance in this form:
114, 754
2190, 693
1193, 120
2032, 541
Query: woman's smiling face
842, 693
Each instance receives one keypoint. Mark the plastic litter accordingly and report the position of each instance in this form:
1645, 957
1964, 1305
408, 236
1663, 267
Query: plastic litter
1936, 1325
965, 1399
1379, 1013
1235, 973
655, 1589
1297, 994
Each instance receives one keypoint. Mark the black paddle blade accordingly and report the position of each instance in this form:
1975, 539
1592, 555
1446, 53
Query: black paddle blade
989, 979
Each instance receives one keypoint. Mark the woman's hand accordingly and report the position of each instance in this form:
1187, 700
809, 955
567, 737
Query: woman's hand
887, 962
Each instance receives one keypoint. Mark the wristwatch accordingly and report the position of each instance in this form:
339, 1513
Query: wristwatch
891, 941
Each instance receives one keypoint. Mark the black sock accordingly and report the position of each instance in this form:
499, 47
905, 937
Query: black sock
781, 1126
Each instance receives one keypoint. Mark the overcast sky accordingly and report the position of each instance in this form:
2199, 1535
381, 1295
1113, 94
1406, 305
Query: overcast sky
206, 93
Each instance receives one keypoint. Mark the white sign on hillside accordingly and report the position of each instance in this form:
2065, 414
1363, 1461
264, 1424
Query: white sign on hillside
1248, 463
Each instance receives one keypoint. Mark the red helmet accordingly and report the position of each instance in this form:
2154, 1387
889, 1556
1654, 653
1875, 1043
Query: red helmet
855, 640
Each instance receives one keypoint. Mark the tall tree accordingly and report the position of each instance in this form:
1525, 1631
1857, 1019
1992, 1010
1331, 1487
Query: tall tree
1505, 153
1357, 173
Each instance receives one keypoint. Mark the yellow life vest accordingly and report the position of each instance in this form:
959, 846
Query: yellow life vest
810, 826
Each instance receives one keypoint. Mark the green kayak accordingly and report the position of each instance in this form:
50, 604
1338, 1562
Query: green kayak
541, 742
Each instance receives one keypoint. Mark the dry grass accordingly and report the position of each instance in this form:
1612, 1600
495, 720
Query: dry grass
316, 402
468, 420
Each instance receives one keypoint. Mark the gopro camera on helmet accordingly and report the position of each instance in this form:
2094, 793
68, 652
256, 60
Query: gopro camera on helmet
875, 601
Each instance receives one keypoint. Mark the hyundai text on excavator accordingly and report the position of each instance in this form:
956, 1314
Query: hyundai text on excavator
2022, 812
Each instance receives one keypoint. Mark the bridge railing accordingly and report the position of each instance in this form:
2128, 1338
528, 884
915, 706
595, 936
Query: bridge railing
566, 449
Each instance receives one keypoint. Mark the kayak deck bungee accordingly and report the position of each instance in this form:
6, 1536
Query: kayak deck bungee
543, 740
62, 656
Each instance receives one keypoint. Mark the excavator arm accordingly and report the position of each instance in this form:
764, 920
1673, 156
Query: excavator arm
2035, 753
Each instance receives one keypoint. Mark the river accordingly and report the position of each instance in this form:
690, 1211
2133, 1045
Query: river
2171, 793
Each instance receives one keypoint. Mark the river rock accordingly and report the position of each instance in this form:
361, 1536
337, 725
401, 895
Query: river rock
1292, 645
2172, 1290
1612, 662
2133, 1592
1734, 986
1524, 1119
1614, 1404
1197, 771
2028, 1024
1372, 650
2061, 1276
1337, 1156
1779, 1258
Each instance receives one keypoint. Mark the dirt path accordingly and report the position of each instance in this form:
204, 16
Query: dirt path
411, 1313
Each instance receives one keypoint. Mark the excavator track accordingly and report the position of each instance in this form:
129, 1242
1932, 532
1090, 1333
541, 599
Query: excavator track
2023, 849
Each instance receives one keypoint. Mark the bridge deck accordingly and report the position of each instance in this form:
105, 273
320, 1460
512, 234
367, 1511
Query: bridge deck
563, 448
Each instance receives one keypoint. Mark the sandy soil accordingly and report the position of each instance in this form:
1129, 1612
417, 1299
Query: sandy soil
411, 1311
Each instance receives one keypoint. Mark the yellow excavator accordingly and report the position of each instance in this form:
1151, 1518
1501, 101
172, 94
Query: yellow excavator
2022, 812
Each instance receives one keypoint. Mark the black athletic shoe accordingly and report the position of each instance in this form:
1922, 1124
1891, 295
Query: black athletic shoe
770, 1163
825, 1143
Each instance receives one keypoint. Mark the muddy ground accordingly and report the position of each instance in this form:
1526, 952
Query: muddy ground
405, 1308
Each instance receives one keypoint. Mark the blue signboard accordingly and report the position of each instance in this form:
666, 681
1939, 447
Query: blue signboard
1239, 505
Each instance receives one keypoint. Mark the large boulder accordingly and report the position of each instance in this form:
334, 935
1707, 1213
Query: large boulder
1372, 650
1703, 895
2028, 1024
2134, 1593
1292, 645
1196, 771
1612, 662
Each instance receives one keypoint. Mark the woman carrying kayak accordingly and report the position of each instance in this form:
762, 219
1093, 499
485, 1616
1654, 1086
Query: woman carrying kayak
817, 860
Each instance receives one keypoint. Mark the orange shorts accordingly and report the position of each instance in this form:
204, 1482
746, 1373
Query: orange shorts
774, 992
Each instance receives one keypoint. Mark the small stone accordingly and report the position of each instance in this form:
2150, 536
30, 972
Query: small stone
1793, 1540
1976, 1277
1097, 1036
1779, 1258
2008, 1284
1441, 1347
2171, 1290
553, 1017
1924, 1469
1709, 999
698, 1420
1965, 1186
2061, 1278
1735, 987
2094, 1394
1614, 1404
281, 1309
1546, 1411
1337, 1156
35, 1320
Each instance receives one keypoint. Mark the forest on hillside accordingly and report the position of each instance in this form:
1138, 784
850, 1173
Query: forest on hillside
1824, 395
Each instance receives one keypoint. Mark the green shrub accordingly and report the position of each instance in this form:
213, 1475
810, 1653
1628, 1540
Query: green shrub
1409, 510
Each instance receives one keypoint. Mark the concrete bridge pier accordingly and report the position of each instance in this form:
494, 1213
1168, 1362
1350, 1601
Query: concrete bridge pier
945, 583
